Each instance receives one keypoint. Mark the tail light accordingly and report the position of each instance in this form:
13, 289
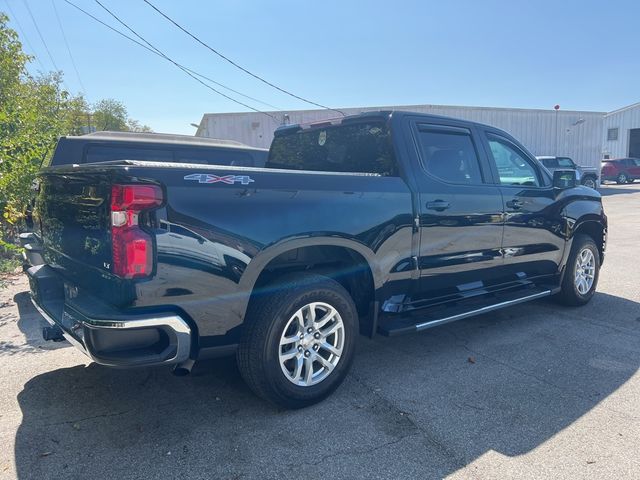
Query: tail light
132, 247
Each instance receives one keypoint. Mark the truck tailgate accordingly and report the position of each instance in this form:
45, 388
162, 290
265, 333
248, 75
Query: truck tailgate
73, 212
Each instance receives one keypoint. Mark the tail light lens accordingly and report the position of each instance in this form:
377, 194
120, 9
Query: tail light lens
132, 247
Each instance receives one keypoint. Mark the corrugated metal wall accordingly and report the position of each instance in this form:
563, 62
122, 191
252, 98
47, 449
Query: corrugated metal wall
578, 134
624, 120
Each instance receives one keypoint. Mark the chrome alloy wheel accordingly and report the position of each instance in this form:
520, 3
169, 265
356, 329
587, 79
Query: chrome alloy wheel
311, 344
585, 271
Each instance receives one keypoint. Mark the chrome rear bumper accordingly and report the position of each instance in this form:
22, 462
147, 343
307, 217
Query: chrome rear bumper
137, 340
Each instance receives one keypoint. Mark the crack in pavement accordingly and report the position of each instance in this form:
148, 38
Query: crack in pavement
458, 461
104, 415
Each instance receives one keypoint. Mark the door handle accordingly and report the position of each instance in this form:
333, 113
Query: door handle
438, 205
515, 204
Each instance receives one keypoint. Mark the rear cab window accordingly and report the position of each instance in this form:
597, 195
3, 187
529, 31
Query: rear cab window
205, 156
106, 153
214, 157
363, 147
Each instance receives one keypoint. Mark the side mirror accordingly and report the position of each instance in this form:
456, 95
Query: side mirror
564, 179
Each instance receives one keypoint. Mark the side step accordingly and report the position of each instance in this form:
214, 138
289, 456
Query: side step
422, 320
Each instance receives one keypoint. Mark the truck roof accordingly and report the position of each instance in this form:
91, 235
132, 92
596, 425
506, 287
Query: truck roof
378, 115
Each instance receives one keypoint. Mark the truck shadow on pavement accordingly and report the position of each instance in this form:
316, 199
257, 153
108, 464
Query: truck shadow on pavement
415, 406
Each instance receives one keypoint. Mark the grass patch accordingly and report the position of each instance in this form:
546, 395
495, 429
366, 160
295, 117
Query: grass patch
8, 265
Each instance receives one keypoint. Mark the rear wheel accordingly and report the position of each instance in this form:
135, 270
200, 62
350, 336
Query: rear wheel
582, 270
622, 178
299, 341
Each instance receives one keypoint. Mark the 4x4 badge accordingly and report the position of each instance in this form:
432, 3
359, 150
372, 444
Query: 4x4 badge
228, 179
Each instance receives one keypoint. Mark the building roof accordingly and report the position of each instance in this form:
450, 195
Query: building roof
620, 110
407, 108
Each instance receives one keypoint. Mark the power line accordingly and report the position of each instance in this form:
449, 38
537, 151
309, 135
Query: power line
237, 65
115, 30
23, 35
189, 71
177, 64
64, 36
33, 19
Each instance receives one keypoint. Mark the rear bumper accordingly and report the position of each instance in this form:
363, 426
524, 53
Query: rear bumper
110, 338
32, 250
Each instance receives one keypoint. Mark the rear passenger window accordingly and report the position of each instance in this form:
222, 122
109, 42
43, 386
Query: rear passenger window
449, 154
106, 153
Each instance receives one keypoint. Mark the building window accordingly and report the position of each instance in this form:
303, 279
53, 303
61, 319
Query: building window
612, 134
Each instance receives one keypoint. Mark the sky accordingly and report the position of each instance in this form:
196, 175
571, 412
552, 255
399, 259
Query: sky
582, 55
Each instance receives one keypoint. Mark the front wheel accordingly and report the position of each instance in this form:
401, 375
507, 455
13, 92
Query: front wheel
590, 182
581, 272
299, 340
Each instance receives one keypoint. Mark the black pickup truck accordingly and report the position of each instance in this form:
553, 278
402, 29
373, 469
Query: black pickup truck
385, 222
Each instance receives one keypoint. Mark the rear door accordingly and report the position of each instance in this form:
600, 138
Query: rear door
533, 242
633, 167
460, 211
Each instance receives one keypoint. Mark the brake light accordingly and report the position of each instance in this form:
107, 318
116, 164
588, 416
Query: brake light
132, 247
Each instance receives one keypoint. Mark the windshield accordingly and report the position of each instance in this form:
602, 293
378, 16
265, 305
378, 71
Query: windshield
565, 162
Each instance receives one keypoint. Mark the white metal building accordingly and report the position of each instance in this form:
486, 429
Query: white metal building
577, 134
621, 132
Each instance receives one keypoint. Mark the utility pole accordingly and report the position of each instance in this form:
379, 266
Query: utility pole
556, 108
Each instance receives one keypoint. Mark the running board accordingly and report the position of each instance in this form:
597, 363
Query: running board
399, 326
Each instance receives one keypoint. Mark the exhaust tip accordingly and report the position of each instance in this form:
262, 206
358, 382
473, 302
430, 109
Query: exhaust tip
183, 369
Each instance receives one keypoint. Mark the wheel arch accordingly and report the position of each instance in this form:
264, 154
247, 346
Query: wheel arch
594, 228
349, 262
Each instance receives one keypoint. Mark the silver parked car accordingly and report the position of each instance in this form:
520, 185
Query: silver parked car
587, 176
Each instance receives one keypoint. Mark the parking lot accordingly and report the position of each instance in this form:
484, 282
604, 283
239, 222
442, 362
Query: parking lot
534, 391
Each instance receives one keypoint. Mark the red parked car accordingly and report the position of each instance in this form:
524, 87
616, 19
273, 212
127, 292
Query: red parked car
620, 170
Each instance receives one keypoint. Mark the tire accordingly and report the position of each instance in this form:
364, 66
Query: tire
590, 182
270, 318
622, 178
573, 291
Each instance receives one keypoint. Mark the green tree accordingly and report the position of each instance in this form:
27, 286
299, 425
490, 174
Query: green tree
34, 113
111, 115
